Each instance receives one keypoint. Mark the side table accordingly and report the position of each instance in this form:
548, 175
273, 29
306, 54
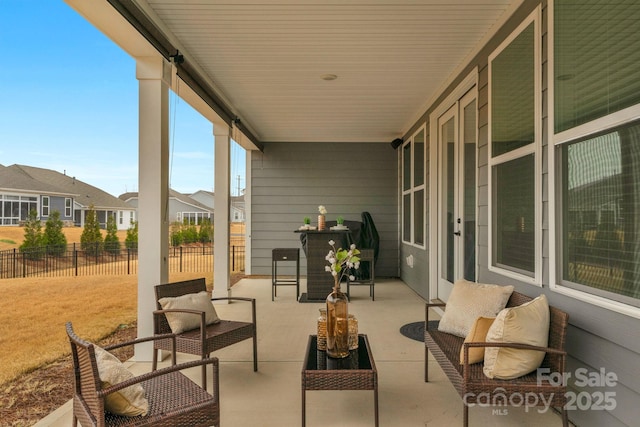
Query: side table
355, 372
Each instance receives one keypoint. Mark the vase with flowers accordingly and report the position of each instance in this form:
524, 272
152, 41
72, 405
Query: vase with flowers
341, 261
321, 217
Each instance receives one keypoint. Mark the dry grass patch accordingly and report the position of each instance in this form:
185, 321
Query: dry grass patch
33, 313
30, 397
35, 368
12, 237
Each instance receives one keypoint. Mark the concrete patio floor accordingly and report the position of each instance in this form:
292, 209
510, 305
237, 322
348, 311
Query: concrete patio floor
272, 396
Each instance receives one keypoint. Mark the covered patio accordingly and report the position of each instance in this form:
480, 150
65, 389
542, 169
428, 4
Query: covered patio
462, 127
272, 396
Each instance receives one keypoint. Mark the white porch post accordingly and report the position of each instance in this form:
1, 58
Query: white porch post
221, 272
153, 180
247, 214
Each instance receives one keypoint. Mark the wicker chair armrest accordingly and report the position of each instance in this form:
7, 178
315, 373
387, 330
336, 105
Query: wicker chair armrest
245, 299
515, 345
426, 311
182, 310
234, 299
203, 321
465, 361
163, 371
141, 340
178, 310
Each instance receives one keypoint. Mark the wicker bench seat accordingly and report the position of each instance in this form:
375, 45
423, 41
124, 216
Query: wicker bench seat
475, 388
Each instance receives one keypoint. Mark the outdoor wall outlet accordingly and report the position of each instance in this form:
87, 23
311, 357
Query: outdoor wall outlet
410, 261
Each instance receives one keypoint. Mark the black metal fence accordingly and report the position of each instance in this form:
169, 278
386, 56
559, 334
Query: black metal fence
72, 260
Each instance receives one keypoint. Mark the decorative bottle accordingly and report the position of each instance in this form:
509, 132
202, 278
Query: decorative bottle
337, 324
321, 222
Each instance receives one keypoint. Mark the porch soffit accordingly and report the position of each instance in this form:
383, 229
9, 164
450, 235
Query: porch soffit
261, 61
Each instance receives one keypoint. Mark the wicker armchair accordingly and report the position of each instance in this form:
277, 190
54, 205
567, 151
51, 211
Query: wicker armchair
174, 400
204, 340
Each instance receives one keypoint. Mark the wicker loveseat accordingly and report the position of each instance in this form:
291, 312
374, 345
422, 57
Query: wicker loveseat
476, 389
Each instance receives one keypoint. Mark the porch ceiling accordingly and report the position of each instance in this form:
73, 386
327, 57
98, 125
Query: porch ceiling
265, 59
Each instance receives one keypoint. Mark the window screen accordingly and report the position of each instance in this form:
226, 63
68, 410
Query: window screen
601, 214
514, 215
596, 57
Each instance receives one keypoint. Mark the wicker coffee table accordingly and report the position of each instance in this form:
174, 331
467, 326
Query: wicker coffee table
356, 372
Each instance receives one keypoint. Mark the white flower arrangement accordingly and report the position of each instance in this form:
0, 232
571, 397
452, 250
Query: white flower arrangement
341, 262
322, 210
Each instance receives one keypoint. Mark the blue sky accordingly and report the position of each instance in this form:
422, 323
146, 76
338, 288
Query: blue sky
70, 103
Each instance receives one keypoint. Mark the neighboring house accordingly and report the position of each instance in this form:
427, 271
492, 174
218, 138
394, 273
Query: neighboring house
21, 193
205, 197
181, 207
237, 211
23, 188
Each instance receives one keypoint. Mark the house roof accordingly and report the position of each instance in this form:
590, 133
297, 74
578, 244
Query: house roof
12, 178
184, 198
207, 192
44, 180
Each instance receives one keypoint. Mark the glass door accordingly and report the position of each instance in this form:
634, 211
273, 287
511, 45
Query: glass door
457, 130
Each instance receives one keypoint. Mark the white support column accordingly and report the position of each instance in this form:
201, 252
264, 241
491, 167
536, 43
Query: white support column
248, 214
221, 270
153, 181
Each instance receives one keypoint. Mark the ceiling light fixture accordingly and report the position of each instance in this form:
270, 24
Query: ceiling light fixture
328, 77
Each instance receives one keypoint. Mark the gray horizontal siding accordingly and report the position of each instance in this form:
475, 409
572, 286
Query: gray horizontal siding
290, 180
597, 338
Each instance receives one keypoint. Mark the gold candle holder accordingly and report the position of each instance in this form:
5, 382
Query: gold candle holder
322, 329
353, 332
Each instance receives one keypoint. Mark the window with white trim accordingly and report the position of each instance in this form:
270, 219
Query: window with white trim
45, 206
14, 209
596, 140
515, 138
67, 207
192, 218
414, 189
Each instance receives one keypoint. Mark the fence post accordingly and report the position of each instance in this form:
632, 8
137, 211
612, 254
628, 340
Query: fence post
75, 258
233, 258
128, 261
15, 263
180, 259
24, 264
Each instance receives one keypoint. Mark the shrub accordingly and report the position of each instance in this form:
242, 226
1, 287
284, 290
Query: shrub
111, 241
175, 235
189, 233
33, 243
205, 234
91, 238
54, 239
131, 241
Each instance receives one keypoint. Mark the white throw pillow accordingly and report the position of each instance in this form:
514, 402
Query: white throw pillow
525, 324
129, 401
180, 322
468, 301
